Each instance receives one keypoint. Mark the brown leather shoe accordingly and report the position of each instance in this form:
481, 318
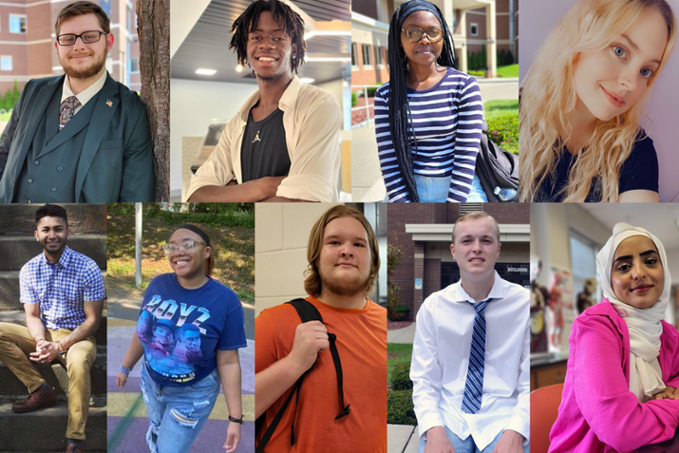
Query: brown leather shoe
36, 400
73, 448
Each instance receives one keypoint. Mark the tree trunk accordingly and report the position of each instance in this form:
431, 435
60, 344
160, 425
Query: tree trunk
153, 27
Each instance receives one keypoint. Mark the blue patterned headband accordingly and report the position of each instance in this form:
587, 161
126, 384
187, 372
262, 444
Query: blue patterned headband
417, 5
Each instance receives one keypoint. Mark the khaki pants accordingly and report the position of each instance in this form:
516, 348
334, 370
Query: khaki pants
16, 344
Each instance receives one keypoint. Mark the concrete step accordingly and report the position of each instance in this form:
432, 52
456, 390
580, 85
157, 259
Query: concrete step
10, 292
18, 317
18, 250
44, 430
55, 375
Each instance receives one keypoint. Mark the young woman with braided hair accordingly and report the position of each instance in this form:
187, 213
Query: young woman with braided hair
428, 116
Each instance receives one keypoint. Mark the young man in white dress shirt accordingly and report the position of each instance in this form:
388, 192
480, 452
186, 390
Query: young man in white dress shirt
471, 363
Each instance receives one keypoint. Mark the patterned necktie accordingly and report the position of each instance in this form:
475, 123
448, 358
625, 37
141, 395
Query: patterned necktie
473, 388
68, 110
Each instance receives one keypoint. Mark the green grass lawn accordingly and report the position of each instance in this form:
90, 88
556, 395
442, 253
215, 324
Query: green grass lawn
494, 109
4, 117
396, 354
508, 71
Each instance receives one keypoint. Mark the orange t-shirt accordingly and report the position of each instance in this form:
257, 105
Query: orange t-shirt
362, 347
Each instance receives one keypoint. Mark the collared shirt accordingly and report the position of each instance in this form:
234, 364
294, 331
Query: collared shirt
62, 288
441, 356
85, 95
312, 120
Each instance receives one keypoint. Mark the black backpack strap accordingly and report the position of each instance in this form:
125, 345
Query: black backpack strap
307, 312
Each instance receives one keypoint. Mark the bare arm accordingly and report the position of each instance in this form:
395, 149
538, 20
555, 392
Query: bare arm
132, 356
251, 191
310, 339
638, 196
33, 321
228, 365
92, 319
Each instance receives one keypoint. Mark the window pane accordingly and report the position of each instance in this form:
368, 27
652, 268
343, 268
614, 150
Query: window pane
6, 63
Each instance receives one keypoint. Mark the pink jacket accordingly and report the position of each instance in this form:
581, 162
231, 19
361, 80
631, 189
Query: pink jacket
598, 413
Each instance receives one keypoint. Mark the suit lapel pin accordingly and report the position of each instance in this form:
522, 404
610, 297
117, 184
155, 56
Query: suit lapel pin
109, 103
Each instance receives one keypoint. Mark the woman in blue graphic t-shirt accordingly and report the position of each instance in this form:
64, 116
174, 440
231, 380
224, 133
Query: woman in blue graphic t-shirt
189, 330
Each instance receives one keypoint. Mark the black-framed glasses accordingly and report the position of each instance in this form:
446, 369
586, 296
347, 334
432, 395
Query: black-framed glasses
414, 34
87, 37
185, 246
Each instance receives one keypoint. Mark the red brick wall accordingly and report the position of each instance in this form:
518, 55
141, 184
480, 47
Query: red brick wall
375, 75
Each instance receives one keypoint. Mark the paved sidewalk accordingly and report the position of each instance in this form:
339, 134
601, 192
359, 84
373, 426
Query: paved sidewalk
405, 335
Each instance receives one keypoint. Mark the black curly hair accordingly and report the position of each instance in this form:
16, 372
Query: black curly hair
285, 17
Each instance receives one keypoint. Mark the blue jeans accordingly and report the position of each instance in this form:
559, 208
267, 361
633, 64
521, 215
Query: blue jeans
467, 445
435, 190
177, 414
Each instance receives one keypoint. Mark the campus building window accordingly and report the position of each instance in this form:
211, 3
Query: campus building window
134, 64
17, 23
474, 29
378, 55
6, 63
354, 57
367, 58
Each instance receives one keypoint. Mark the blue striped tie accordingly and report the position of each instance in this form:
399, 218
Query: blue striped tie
473, 388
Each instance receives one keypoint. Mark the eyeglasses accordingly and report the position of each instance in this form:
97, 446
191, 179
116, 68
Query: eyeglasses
414, 34
185, 246
88, 37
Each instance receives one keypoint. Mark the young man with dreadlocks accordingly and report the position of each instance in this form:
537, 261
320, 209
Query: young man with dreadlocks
283, 144
428, 117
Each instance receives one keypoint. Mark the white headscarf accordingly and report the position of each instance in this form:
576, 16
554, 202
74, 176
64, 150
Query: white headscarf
643, 324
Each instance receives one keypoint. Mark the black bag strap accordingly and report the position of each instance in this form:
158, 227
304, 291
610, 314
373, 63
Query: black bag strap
307, 312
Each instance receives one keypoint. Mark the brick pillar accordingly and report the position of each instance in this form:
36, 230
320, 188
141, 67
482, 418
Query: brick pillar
418, 272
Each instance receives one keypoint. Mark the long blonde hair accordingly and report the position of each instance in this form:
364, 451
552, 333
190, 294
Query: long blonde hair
548, 96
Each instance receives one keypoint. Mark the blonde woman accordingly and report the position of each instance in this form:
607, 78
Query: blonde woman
582, 102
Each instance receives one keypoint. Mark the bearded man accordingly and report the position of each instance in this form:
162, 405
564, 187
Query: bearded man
79, 137
344, 262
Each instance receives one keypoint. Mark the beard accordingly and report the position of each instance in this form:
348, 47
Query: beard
345, 287
86, 72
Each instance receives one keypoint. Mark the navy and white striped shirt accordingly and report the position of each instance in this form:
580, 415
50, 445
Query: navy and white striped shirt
447, 120
61, 288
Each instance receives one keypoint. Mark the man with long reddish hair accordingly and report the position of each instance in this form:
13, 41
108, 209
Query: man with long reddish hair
344, 262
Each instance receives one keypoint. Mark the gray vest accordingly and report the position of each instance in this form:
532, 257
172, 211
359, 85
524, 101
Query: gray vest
48, 174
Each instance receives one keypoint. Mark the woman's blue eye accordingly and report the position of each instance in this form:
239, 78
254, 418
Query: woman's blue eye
619, 51
645, 72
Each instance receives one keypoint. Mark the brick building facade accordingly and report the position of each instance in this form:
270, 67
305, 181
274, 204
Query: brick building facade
423, 233
27, 41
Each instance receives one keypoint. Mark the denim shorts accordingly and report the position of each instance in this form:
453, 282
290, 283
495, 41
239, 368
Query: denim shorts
177, 414
435, 190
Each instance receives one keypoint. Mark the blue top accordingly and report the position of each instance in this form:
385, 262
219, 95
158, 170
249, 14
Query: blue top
182, 329
62, 288
639, 172
447, 119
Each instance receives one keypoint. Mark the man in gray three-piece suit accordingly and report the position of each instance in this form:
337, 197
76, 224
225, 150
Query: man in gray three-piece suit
80, 137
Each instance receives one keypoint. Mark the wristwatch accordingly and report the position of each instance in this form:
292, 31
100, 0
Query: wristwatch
62, 351
237, 420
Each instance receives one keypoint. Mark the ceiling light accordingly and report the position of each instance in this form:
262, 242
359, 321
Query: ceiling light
313, 33
307, 80
239, 68
203, 71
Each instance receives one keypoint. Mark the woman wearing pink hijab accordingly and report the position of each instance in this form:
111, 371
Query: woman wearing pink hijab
623, 369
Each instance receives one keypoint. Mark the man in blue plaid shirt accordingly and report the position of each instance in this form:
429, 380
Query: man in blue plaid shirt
63, 296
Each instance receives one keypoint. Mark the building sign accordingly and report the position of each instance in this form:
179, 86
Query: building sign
418, 283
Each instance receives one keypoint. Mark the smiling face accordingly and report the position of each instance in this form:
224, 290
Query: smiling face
269, 49
476, 247
423, 52
637, 275
603, 78
344, 261
82, 61
52, 233
188, 264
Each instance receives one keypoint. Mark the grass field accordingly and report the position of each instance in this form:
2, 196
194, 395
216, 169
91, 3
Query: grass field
508, 71
397, 354
4, 116
493, 109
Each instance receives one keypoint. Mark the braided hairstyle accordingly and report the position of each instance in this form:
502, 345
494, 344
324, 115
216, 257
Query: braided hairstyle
400, 118
283, 15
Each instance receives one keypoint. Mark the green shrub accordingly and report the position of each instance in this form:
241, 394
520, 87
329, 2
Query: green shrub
371, 91
354, 99
400, 377
477, 73
400, 409
504, 128
399, 312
